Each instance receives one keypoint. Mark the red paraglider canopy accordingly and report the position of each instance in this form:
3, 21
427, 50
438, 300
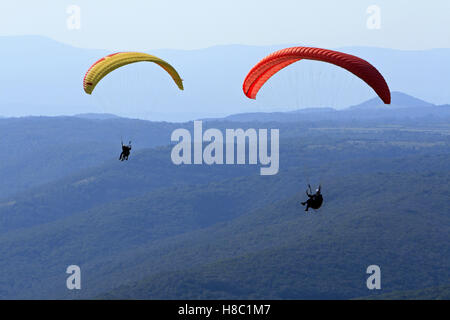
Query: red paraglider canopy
278, 60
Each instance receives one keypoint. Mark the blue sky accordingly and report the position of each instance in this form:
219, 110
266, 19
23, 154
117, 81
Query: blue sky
182, 24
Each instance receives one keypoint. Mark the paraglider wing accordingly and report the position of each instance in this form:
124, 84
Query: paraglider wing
116, 60
278, 60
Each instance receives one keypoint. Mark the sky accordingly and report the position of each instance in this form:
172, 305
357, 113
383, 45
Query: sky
194, 24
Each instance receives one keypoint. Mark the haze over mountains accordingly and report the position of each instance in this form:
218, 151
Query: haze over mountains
43, 77
147, 228
402, 106
88, 139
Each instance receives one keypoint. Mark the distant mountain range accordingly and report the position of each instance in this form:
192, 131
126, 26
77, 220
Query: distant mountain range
43, 77
399, 100
96, 116
402, 105
149, 229
89, 139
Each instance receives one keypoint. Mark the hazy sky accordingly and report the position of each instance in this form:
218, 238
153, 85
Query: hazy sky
190, 24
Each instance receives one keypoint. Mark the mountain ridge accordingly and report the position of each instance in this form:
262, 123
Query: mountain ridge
402, 105
211, 89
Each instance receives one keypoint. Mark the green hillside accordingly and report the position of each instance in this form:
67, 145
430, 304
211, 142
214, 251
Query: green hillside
149, 229
38, 150
278, 252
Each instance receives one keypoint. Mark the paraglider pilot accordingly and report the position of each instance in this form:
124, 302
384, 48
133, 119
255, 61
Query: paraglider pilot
314, 199
125, 151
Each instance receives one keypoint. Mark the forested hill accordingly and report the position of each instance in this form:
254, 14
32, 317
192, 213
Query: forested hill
149, 229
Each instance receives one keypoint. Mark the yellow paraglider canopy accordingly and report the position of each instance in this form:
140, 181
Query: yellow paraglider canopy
116, 60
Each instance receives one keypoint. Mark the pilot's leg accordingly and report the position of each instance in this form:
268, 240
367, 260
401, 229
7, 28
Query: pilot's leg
308, 204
